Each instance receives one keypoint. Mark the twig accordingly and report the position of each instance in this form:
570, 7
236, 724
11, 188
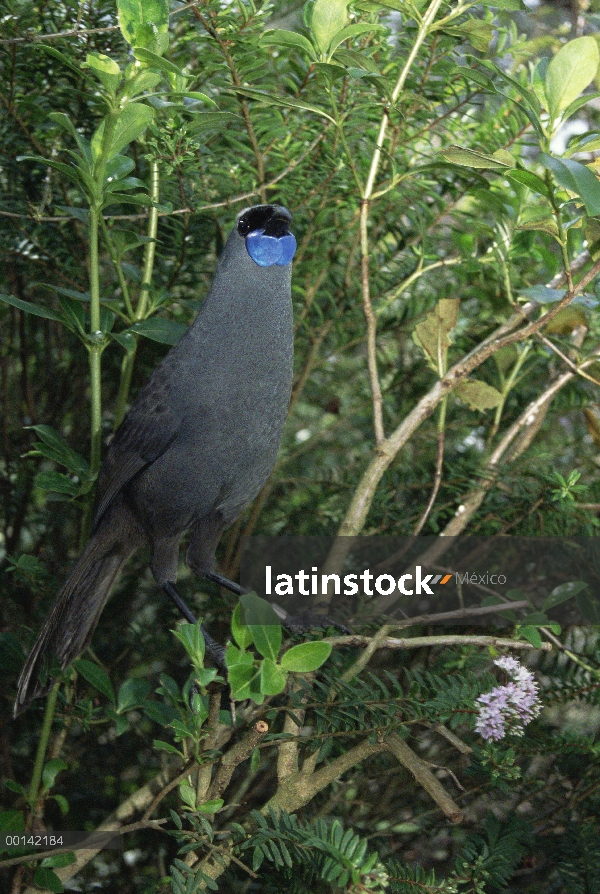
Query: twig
386, 452
423, 775
419, 642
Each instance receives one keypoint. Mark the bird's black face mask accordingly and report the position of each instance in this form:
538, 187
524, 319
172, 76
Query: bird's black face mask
267, 234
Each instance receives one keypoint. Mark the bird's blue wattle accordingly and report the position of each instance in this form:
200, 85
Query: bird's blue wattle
288, 249
269, 250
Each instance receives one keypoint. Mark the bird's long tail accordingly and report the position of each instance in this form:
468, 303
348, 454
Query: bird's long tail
71, 623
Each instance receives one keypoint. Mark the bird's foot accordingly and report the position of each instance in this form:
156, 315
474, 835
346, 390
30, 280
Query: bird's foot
312, 619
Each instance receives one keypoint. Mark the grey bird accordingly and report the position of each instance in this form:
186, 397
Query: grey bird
195, 447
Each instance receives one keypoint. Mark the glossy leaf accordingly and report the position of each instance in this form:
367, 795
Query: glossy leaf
55, 447
280, 38
272, 678
570, 72
531, 181
562, 593
470, 159
56, 482
153, 60
167, 332
270, 99
132, 122
306, 657
432, 335
46, 879
328, 19
192, 640
263, 624
51, 770
96, 676
351, 31
30, 308
133, 14
106, 70
478, 395
132, 694
576, 178
241, 633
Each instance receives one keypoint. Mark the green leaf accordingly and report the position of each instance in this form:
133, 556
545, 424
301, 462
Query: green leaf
187, 794
279, 38
152, 60
48, 880
30, 308
52, 51
192, 94
306, 657
135, 13
471, 159
190, 636
167, 332
131, 123
235, 656
12, 821
51, 770
562, 593
263, 623
63, 804
576, 178
96, 676
578, 104
432, 335
531, 634
16, 787
244, 682
68, 171
56, 482
270, 99
538, 217
139, 81
328, 18
572, 69
352, 31
531, 181
535, 619
272, 678
118, 167
121, 198
207, 120
589, 607
58, 450
159, 745
132, 694
65, 122
106, 70
478, 395
241, 633
211, 806
479, 34
58, 860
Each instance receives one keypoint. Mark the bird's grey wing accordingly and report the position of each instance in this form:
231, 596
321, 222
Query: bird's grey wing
148, 429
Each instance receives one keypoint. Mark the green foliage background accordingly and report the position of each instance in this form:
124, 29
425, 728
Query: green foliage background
275, 111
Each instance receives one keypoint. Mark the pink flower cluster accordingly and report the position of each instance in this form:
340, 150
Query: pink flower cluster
511, 707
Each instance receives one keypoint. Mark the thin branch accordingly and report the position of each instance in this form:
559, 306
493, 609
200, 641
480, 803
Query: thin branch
423, 775
386, 452
420, 642
437, 480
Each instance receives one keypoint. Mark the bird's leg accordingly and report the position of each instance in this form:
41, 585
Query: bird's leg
225, 582
214, 649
